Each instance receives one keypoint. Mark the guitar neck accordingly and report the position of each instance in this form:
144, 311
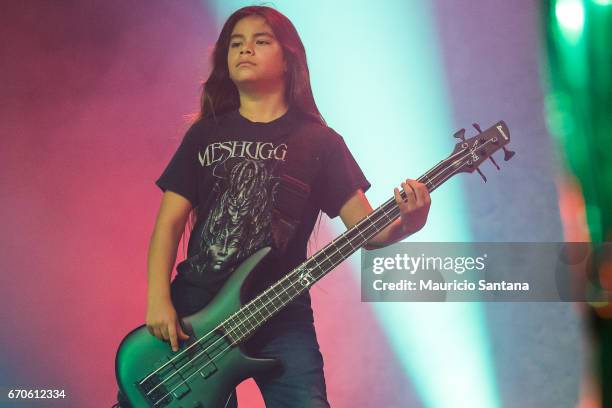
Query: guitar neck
242, 324
466, 157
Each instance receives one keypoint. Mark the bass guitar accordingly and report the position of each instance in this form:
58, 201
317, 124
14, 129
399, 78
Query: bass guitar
208, 366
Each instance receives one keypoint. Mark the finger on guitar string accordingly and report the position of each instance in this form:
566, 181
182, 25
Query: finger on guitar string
421, 192
411, 199
416, 192
173, 337
398, 198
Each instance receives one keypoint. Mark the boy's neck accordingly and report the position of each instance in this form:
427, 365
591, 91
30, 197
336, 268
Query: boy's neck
264, 107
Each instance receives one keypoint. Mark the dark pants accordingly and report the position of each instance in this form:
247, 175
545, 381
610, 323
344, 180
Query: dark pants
299, 382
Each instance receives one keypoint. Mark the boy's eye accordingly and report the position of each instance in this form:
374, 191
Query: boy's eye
258, 42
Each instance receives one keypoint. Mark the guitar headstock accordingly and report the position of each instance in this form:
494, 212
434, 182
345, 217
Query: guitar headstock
470, 153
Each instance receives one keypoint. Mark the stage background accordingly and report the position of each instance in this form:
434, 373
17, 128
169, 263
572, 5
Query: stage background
96, 96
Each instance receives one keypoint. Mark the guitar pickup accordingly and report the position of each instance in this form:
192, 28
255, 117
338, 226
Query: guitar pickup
209, 369
181, 391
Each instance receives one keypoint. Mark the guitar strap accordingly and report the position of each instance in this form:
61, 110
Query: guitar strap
296, 177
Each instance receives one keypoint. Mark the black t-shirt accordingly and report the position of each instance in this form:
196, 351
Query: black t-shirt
248, 181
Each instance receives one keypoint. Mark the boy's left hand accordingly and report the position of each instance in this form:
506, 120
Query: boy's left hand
413, 210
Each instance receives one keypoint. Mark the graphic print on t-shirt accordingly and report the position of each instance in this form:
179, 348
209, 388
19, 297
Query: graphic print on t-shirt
239, 219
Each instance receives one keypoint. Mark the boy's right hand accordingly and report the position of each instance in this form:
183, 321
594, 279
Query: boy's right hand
163, 323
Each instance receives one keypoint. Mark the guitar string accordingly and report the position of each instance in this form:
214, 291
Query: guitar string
385, 214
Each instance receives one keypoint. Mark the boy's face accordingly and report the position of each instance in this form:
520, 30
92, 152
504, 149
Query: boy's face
254, 57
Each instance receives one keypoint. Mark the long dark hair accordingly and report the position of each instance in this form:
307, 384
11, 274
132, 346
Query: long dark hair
220, 95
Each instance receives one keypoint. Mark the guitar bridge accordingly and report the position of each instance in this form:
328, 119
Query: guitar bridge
173, 376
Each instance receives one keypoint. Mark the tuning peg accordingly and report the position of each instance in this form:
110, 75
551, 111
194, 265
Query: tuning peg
477, 127
494, 163
481, 175
508, 154
460, 134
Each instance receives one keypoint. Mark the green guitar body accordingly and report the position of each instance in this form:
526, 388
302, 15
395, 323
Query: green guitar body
209, 371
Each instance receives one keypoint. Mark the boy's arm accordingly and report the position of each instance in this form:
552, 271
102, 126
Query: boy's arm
161, 319
413, 213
